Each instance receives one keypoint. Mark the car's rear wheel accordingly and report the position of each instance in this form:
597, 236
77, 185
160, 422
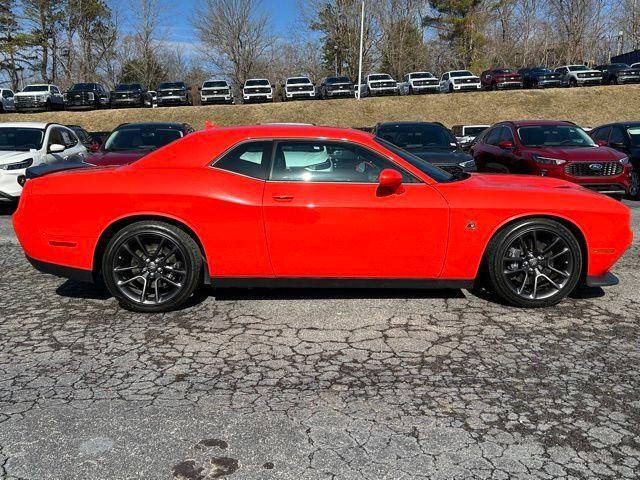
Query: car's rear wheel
152, 266
534, 263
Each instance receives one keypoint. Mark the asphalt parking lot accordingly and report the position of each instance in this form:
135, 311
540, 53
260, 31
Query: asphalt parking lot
315, 384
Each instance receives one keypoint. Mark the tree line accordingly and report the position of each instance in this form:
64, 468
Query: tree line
67, 41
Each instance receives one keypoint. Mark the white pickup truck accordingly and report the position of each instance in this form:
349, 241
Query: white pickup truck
216, 91
376, 84
298, 87
257, 90
39, 97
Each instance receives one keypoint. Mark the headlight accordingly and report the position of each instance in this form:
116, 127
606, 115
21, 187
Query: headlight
624, 161
17, 166
548, 161
468, 164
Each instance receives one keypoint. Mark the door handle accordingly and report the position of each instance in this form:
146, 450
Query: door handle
283, 198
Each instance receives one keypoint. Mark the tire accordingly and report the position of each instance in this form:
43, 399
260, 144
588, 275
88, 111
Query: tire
522, 274
142, 279
450, 88
634, 189
494, 87
573, 82
47, 106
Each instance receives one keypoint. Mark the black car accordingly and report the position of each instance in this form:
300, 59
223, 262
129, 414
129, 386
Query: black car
173, 93
540, 77
429, 141
334, 87
131, 95
618, 73
86, 95
624, 137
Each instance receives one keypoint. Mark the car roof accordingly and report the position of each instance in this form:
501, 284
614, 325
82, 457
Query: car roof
40, 125
408, 124
621, 124
151, 124
533, 123
40, 85
288, 130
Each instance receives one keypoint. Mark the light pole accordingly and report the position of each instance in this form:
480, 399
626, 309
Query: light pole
361, 47
335, 57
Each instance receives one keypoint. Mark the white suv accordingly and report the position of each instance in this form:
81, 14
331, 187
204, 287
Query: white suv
6, 100
579, 75
298, 87
458, 81
257, 90
26, 144
39, 97
419, 82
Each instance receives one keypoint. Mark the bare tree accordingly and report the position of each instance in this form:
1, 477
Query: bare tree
235, 36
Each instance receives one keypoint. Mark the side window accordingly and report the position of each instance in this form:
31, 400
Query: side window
68, 138
492, 136
250, 159
55, 137
617, 136
334, 162
445, 76
55, 90
7, 94
506, 135
602, 134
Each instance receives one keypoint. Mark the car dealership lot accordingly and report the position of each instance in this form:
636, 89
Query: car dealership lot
315, 384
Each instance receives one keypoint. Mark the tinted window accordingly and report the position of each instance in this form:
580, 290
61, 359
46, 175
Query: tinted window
554, 136
472, 131
68, 138
462, 73
492, 137
578, 68
20, 139
418, 137
380, 77
214, 84
432, 171
617, 136
338, 80
602, 134
83, 87
7, 94
36, 88
128, 87
335, 162
172, 86
141, 138
55, 137
257, 83
503, 70
634, 134
250, 159
415, 76
296, 81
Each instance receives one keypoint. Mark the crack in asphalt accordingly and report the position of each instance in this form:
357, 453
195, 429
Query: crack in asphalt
312, 385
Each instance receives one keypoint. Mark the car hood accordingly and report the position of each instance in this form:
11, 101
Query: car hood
7, 157
102, 158
523, 183
441, 157
578, 154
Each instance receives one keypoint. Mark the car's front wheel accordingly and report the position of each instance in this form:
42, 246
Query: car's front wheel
534, 263
152, 266
634, 187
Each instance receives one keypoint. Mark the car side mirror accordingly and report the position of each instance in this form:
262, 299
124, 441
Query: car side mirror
56, 148
390, 180
506, 145
601, 143
94, 147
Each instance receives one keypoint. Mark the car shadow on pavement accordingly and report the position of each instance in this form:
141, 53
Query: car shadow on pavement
79, 290
582, 292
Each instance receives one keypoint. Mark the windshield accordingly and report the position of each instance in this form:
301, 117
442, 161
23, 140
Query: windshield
419, 137
257, 83
172, 86
128, 87
503, 70
82, 87
474, 131
296, 81
541, 70
461, 73
382, 76
338, 80
214, 84
36, 88
619, 65
554, 136
578, 68
20, 139
634, 134
141, 138
418, 76
434, 172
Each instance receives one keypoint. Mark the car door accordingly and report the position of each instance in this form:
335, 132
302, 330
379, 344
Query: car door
56, 97
325, 216
485, 150
444, 82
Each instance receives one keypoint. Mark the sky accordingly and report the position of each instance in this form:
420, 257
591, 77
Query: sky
178, 26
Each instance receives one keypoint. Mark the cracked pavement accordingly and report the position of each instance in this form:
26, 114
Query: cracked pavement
262, 384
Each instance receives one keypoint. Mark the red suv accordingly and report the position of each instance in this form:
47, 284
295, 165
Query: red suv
500, 78
555, 149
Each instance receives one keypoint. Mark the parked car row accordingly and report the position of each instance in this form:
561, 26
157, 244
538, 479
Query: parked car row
93, 95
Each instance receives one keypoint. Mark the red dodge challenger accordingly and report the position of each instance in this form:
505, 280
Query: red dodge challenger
305, 206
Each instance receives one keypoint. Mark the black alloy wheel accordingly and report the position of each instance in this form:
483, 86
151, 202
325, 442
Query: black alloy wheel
152, 266
634, 187
534, 263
